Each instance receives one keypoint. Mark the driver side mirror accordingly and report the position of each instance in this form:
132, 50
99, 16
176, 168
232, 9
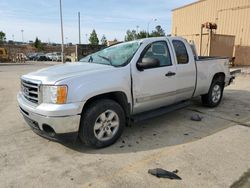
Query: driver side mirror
148, 63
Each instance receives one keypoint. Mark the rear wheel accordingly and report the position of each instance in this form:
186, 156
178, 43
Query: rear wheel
215, 94
102, 123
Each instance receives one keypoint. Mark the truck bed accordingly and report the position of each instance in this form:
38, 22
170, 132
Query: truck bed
204, 58
207, 67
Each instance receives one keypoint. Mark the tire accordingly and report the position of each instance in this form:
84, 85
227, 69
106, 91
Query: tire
213, 97
97, 129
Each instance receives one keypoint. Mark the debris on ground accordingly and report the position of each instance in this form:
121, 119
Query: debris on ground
176, 171
237, 114
161, 173
196, 117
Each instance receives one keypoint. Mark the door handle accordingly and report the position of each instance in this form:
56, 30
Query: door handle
170, 74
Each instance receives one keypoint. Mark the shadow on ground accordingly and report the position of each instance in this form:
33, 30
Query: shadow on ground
176, 128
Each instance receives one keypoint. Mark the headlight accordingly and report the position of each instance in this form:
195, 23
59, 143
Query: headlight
54, 94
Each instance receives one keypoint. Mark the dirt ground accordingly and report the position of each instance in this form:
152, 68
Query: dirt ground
212, 153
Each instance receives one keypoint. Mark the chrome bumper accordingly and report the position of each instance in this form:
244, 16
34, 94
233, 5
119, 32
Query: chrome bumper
59, 124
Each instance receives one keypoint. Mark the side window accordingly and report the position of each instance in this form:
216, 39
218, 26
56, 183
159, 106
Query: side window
180, 51
159, 50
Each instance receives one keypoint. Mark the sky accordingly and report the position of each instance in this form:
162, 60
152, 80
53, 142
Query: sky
112, 18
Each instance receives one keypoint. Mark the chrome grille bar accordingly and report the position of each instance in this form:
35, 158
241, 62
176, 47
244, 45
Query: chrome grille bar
30, 90
29, 85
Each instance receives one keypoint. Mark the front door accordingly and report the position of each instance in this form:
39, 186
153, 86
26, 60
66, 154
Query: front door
154, 87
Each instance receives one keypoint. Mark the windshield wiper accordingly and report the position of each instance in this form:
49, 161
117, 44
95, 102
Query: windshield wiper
90, 59
106, 58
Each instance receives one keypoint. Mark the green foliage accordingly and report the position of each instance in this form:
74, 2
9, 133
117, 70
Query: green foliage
93, 39
104, 40
38, 44
142, 35
2, 36
132, 35
158, 32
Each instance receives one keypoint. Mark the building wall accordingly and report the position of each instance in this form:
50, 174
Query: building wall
231, 16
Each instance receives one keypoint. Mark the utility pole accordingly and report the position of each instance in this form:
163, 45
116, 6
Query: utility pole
22, 34
148, 25
66, 42
62, 45
86, 38
79, 26
137, 29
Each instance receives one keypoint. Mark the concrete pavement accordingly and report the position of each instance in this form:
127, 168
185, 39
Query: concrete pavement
212, 153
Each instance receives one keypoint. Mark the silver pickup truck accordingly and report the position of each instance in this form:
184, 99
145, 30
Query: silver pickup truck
96, 97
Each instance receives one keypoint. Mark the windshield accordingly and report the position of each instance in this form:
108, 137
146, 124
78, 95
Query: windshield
117, 55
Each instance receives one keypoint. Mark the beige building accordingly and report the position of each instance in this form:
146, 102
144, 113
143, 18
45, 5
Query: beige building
231, 38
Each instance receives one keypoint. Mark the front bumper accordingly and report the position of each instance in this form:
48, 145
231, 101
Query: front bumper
50, 123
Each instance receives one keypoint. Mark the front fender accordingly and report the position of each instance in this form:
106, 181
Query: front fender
82, 88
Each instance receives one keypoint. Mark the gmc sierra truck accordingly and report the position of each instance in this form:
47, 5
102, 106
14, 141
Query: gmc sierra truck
96, 97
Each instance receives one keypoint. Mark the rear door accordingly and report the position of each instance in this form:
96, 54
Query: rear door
185, 69
154, 87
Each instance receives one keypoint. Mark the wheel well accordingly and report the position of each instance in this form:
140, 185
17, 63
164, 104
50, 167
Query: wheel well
119, 97
219, 76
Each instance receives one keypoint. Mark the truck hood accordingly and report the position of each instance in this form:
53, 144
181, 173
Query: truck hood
57, 73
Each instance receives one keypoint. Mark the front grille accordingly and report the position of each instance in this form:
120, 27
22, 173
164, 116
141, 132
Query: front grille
30, 90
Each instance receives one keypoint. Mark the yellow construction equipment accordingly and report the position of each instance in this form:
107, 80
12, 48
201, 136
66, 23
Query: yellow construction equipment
4, 56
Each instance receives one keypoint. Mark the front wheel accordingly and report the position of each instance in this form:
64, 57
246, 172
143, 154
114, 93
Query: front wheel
215, 94
102, 123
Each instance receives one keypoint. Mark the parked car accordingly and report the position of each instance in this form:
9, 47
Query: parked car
56, 56
35, 56
96, 97
31, 56
41, 58
49, 56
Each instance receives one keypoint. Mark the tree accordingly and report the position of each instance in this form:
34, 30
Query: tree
2, 36
104, 40
131, 35
93, 39
142, 35
158, 32
38, 44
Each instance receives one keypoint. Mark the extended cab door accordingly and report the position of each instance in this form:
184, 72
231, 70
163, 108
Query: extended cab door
185, 68
154, 87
